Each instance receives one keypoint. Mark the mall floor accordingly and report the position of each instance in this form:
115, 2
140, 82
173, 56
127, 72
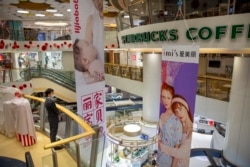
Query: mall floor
10, 147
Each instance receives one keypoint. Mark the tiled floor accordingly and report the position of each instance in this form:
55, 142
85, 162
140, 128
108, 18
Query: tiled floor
10, 147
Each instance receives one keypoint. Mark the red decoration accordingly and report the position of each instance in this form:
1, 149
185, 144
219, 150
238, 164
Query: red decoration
58, 46
50, 46
21, 87
38, 45
30, 42
69, 45
61, 44
46, 43
65, 43
13, 86
24, 85
113, 45
106, 46
31, 85
44, 47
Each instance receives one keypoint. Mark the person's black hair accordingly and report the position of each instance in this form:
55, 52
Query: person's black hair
48, 91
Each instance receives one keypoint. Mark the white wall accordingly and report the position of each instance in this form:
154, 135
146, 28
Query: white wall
68, 61
211, 108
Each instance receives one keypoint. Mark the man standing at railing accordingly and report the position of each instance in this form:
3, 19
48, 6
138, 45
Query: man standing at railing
53, 115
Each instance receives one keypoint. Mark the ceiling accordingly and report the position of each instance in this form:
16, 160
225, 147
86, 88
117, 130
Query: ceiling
9, 8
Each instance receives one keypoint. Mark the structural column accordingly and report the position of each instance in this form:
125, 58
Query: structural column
151, 87
236, 148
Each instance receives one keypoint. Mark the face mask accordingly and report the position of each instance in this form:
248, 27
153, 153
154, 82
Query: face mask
53, 96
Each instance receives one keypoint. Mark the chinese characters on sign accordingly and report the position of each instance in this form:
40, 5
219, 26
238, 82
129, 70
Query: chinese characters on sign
181, 53
93, 108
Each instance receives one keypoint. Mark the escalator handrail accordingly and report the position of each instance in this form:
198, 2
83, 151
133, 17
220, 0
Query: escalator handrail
52, 75
88, 131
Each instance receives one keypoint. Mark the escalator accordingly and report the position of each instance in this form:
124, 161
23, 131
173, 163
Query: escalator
65, 79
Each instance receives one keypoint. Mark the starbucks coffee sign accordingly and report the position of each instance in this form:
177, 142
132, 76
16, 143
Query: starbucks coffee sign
192, 33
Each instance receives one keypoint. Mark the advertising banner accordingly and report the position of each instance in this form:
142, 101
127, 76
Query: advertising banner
88, 54
178, 92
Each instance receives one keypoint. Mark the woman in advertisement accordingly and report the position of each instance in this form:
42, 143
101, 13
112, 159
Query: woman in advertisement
170, 128
182, 153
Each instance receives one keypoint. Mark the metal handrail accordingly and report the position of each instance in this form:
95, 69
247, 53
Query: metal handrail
88, 131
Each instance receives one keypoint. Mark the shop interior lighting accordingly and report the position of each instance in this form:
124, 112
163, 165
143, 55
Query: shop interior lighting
58, 14
51, 24
68, 10
23, 11
51, 10
39, 15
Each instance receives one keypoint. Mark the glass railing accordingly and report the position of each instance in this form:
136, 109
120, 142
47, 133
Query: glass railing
83, 153
154, 11
70, 125
214, 87
130, 72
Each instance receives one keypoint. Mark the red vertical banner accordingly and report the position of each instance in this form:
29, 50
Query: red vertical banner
178, 92
88, 54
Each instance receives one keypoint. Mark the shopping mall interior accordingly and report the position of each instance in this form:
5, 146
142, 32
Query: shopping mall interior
36, 51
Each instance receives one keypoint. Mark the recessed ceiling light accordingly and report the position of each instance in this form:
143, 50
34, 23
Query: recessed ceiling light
68, 10
58, 14
126, 16
136, 9
22, 11
51, 10
51, 23
39, 15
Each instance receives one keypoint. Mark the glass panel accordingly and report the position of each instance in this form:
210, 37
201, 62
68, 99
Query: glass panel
201, 86
61, 158
91, 152
218, 88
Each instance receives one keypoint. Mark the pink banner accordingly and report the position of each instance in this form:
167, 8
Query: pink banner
88, 54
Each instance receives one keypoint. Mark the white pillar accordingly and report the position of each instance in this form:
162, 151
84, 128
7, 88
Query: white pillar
236, 148
151, 87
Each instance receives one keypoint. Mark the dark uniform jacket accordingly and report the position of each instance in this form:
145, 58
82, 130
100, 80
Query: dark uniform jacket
52, 110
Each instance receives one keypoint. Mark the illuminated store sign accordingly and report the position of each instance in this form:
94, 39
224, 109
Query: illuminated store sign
203, 33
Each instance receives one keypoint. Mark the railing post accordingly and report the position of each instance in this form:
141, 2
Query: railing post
78, 157
43, 116
93, 156
54, 158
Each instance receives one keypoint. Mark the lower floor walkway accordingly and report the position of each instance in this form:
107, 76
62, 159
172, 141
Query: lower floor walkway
10, 147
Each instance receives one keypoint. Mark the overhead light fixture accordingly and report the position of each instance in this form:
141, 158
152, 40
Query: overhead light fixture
23, 11
39, 15
58, 14
49, 24
51, 10
68, 10
126, 16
